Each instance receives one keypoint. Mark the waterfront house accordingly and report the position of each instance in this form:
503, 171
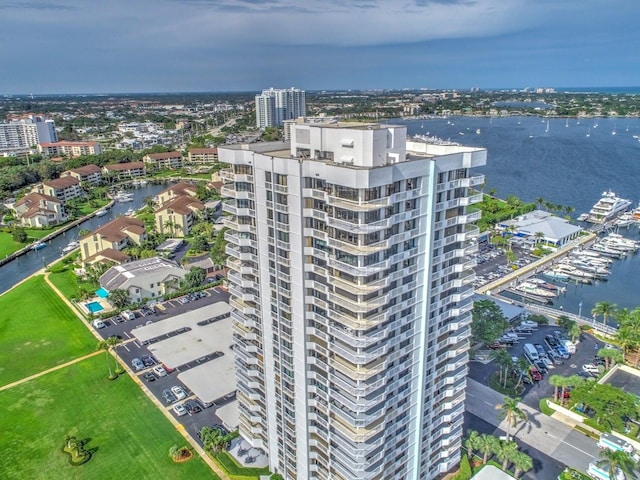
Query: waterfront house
64, 188
87, 174
177, 190
39, 210
177, 216
163, 161
144, 279
116, 235
541, 227
125, 171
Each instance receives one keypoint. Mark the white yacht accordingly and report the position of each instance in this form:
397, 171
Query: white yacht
607, 208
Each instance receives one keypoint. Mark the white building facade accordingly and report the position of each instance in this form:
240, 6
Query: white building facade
274, 106
22, 133
350, 279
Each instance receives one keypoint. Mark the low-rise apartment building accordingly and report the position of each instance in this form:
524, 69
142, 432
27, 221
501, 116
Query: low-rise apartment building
203, 155
177, 190
165, 160
176, 217
64, 188
125, 171
38, 210
144, 279
89, 174
69, 149
116, 235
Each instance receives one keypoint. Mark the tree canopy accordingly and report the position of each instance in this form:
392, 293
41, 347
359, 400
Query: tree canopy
488, 321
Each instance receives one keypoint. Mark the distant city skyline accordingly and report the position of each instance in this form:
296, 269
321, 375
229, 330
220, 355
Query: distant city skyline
60, 46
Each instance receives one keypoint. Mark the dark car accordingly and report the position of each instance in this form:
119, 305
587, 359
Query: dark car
192, 407
551, 340
148, 361
496, 346
149, 377
117, 319
168, 396
541, 367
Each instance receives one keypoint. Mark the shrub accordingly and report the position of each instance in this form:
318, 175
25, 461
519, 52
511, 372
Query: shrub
539, 319
545, 408
465, 469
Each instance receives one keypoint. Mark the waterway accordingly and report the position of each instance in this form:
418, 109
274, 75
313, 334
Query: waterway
563, 166
34, 260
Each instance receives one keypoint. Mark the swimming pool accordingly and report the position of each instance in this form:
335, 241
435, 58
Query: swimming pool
94, 307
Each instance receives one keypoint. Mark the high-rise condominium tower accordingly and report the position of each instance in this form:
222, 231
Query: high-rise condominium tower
274, 106
350, 255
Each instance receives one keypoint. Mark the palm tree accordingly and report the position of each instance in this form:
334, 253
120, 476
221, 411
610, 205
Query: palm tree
108, 345
472, 442
510, 412
213, 439
504, 362
522, 462
486, 445
506, 452
616, 460
170, 224
606, 309
540, 202
523, 365
557, 381
539, 237
571, 382
627, 340
610, 355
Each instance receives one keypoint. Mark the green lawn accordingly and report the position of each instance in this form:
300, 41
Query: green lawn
38, 331
131, 436
8, 245
67, 282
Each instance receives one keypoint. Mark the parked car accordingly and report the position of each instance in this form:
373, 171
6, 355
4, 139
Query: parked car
535, 374
117, 319
496, 346
529, 324
137, 364
547, 362
168, 396
542, 368
160, 371
183, 300
178, 392
149, 377
97, 323
551, 340
128, 315
179, 409
562, 351
148, 361
541, 350
192, 407
591, 369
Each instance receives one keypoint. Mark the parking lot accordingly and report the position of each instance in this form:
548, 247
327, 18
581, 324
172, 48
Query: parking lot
162, 322
492, 264
585, 352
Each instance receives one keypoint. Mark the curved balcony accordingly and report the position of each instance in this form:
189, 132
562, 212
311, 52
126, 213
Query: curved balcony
358, 205
358, 227
358, 306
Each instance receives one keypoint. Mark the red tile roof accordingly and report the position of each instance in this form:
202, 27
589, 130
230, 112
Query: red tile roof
121, 167
164, 155
63, 182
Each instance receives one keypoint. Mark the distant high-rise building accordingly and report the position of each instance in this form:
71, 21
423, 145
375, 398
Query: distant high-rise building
24, 132
350, 254
274, 106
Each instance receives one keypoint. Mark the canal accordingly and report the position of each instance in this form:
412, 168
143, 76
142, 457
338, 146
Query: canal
29, 263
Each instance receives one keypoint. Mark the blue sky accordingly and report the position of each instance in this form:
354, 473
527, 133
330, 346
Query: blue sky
96, 46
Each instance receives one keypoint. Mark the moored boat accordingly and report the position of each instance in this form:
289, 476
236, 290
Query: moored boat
71, 246
101, 212
607, 208
38, 246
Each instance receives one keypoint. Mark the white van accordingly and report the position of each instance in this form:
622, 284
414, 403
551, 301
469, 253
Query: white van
531, 352
128, 315
569, 346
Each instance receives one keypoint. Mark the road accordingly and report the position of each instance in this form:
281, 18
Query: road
541, 432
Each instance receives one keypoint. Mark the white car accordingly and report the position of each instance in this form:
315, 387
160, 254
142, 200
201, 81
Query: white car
97, 323
528, 324
590, 368
160, 371
179, 409
178, 392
